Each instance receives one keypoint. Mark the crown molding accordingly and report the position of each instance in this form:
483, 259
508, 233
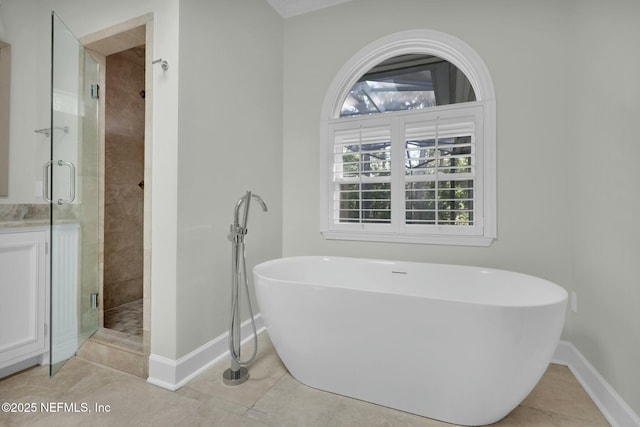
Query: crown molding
290, 8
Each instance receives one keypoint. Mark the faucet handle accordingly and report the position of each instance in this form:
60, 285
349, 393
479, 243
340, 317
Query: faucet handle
236, 233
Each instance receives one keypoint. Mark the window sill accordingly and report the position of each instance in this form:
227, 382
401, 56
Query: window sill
409, 238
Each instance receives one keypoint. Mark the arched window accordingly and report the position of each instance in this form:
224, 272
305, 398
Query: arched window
409, 144
407, 82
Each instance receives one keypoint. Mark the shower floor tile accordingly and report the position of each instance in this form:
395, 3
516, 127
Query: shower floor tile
126, 318
270, 397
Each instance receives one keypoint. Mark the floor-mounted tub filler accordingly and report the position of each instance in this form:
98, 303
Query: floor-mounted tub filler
237, 372
458, 344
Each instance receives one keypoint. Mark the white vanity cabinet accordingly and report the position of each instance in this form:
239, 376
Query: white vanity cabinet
23, 294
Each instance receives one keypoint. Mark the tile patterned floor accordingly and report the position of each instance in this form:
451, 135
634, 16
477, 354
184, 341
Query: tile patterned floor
126, 318
271, 397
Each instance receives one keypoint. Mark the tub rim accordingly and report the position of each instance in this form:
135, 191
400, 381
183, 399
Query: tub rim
557, 293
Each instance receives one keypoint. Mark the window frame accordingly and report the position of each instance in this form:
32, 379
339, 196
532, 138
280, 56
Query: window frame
467, 60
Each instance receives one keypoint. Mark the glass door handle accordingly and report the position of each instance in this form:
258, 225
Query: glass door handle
46, 190
72, 182
45, 181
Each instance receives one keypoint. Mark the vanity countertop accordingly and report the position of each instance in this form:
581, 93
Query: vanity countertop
22, 226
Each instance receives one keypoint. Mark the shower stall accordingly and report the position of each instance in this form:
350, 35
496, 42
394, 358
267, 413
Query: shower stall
94, 182
124, 119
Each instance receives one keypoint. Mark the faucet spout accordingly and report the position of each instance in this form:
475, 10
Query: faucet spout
262, 203
246, 200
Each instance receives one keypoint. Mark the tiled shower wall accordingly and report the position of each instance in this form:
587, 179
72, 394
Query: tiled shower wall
124, 174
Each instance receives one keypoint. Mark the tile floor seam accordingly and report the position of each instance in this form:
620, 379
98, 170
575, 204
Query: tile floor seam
554, 414
590, 423
270, 388
117, 371
118, 348
252, 409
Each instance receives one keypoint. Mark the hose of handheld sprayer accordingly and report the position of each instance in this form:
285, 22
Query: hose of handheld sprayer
240, 271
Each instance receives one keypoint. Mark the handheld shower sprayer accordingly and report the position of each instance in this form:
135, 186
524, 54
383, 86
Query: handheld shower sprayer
236, 228
237, 374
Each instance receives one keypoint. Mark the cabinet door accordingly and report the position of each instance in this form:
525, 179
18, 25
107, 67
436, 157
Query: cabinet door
23, 282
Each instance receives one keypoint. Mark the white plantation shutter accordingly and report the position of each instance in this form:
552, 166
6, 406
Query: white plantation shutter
441, 180
407, 174
362, 173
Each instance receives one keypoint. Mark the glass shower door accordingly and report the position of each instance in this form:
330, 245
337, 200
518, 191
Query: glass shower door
71, 186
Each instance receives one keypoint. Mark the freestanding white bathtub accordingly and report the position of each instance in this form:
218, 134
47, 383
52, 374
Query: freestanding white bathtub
459, 344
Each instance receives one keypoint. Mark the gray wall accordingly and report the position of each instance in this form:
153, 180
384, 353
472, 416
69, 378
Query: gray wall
531, 126
603, 77
230, 141
567, 183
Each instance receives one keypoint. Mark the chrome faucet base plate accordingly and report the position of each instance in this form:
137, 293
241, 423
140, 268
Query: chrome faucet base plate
231, 378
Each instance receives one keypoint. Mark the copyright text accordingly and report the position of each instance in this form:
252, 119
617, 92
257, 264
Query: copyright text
54, 407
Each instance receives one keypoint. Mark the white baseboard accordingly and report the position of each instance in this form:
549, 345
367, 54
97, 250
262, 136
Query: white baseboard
612, 406
173, 374
5, 371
